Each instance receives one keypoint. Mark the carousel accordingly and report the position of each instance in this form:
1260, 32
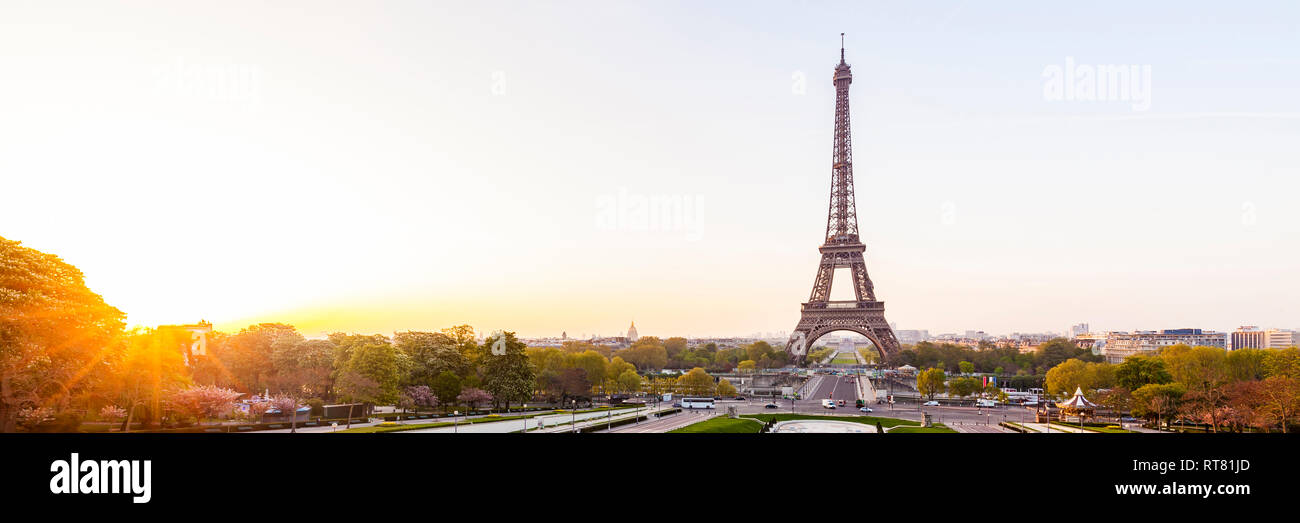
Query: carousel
1077, 406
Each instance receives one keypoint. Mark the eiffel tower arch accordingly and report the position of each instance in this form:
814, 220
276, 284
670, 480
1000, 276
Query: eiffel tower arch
842, 249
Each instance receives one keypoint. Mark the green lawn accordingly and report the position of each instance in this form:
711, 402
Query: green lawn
869, 420
935, 428
721, 425
471, 421
844, 358
747, 424
1094, 428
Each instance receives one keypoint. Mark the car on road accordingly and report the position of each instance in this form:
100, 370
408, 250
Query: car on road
841, 403
864, 409
740, 398
678, 404
930, 403
771, 406
828, 404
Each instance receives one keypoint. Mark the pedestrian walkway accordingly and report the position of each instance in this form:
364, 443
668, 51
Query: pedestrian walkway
1042, 428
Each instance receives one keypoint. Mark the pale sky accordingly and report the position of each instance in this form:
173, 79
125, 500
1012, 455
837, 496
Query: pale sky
384, 166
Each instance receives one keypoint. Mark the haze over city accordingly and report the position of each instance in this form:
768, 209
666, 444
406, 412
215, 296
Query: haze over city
417, 166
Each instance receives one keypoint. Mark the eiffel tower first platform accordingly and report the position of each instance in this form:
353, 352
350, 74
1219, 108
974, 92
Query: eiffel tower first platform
842, 249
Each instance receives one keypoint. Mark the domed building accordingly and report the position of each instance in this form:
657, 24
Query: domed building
631, 333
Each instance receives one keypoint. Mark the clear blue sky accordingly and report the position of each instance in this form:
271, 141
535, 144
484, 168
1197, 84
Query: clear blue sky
413, 165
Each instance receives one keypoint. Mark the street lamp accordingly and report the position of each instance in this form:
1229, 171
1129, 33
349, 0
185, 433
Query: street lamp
525, 414
455, 421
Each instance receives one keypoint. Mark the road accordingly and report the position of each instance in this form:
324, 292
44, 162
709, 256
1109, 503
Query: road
836, 388
501, 427
664, 424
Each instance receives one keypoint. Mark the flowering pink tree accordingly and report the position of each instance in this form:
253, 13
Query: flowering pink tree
112, 413
203, 401
421, 396
257, 408
287, 405
472, 397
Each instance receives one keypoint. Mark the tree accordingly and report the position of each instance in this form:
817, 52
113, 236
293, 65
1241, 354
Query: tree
966, 367
383, 364
673, 347
53, 329
302, 366
1056, 351
962, 387
572, 382
646, 354
931, 382
747, 366
471, 397
726, 389
1118, 400
1138, 370
288, 406
463, 337
1279, 400
697, 382
446, 387
430, 354
203, 401
629, 381
1283, 362
1246, 364
249, 355
353, 387
421, 396
112, 413
594, 364
1063, 379
509, 377
1158, 401
142, 368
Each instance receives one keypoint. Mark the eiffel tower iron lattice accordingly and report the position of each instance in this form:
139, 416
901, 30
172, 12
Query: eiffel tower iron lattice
842, 249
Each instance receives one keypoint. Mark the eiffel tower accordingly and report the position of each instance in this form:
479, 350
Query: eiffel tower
842, 249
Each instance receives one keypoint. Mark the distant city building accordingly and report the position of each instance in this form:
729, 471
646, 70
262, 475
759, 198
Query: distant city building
1120, 345
1251, 337
912, 336
631, 333
1077, 330
1088, 340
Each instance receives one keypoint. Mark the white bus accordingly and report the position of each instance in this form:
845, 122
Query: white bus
697, 403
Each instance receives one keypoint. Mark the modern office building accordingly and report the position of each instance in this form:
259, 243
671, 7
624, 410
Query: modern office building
1251, 337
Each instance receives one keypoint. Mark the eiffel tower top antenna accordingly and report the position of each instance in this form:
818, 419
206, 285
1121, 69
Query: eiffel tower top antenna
841, 47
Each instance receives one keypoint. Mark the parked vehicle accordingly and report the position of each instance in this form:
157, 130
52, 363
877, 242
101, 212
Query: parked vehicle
930, 403
982, 403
